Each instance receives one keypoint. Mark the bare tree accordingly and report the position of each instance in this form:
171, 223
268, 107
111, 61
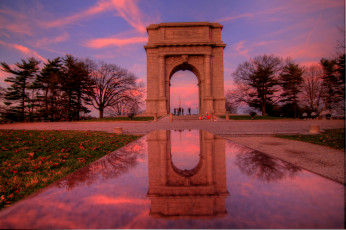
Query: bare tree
130, 105
113, 85
312, 88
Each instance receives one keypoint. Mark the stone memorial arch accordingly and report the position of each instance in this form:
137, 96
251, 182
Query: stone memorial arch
193, 46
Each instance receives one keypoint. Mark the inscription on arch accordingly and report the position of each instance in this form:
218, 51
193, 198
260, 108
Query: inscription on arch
177, 33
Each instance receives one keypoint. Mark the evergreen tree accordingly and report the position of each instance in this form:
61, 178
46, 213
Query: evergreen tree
333, 82
290, 81
17, 93
47, 81
75, 84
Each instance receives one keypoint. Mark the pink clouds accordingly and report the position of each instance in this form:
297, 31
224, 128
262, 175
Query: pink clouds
247, 15
184, 90
52, 40
14, 22
130, 12
105, 200
106, 42
3, 76
126, 9
28, 52
100, 6
241, 49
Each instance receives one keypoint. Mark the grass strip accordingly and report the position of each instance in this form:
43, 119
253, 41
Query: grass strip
31, 160
334, 138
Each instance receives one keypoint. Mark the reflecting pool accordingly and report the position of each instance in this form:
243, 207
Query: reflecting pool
183, 179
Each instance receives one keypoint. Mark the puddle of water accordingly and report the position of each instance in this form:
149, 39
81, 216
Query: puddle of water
147, 184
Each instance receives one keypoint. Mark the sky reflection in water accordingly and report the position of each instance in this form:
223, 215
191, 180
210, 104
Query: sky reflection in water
156, 182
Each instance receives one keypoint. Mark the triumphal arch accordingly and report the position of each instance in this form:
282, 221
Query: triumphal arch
193, 46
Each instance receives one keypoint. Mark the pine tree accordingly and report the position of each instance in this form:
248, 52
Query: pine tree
47, 81
290, 81
17, 93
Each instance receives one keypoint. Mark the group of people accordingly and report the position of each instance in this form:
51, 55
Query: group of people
180, 111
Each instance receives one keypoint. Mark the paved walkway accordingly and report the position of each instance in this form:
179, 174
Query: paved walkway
253, 134
220, 127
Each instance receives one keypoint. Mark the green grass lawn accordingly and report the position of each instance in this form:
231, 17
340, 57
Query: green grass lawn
334, 138
120, 119
248, 117
31, 160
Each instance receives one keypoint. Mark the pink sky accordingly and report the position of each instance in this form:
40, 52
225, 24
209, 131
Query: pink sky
114, 31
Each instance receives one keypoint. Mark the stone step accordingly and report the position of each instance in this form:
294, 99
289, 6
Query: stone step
186, 117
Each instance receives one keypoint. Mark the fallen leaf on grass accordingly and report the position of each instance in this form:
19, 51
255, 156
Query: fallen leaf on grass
81, 147
97, 147
31, 154
81, 160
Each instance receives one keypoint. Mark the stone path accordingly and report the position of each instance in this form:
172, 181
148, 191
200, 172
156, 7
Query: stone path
253, 134
220, 127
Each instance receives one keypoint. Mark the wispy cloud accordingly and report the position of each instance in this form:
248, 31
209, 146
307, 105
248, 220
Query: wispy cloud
106, 42
28, 52
126, 9
100, 7
130, 12
241, 49
53, 40
247, 15
14, 22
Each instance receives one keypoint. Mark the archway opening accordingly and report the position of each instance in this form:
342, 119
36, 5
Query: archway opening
184, 93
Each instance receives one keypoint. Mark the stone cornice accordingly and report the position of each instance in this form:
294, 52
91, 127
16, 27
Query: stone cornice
184, 24
170, 44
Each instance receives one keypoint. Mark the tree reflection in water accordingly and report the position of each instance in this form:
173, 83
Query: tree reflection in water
263, 167
109, 166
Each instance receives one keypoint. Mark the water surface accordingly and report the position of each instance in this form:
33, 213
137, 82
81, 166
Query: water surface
183, 179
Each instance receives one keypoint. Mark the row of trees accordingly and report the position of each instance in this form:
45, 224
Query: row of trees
277, 87
66, 87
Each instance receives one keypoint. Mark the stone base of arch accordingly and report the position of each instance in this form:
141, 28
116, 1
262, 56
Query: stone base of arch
196, 47
209, 105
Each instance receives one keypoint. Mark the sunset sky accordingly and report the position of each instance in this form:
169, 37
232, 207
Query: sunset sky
115, 30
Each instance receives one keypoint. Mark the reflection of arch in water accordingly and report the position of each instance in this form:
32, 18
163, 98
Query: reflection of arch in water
196, 176
176, 195
187, 173
188, 157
